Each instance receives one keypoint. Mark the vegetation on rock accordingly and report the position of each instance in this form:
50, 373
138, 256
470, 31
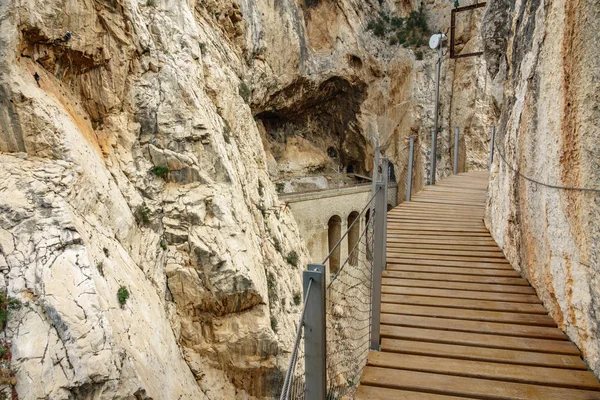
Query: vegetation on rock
122, 295
411, 31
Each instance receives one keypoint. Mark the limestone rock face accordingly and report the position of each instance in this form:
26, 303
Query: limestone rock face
145, 159
548, 132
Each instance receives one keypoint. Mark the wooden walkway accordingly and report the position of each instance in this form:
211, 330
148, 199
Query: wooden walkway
456, 320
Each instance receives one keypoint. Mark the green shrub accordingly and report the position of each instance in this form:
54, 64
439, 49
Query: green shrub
379, 29
419, 55
100, 268
151, 3
106, 253
244, 91
393, 40
7, 305
279, 187
3, 351
292, 258
297, 298
274, 324
163, 244
202, 47
142, 215
122, 295
160, 171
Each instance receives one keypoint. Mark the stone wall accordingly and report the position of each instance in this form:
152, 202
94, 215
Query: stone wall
547, 56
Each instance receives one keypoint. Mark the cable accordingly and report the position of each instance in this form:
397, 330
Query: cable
548, 185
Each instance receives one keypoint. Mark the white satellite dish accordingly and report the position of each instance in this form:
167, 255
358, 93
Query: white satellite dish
436, 40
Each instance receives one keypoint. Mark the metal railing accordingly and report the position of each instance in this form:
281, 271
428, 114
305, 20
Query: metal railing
339, 322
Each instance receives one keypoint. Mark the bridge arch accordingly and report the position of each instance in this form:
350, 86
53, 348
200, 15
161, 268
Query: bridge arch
353, 236
334, 233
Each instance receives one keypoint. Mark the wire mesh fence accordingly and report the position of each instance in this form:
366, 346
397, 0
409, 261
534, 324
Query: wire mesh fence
348, 317
340, 322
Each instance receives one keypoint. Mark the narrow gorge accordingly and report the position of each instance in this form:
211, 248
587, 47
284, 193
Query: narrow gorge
146, 146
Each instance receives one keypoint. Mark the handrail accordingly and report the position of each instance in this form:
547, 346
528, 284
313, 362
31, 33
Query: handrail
351, 225
292, 365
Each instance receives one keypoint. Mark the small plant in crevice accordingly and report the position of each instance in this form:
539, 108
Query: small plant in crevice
279, 187
271, 287
160, 171
3, 351
276, 244
244, 91
7, 306
202, 47
163, 244
122, 295
261, 188
297, 298
106, 253
418, 55
151, 3
292, 258
226, 132
142, 215
100, 268
274, 324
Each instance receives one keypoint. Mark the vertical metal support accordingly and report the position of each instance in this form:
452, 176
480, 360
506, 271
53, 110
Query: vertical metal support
378, 263
315, 349
492, 146
433, 157
410, 168
456, 133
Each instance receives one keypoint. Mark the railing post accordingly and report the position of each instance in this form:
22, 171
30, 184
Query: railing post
410, 168
432, 166
456, 133
492, 146
315, 349
378, 262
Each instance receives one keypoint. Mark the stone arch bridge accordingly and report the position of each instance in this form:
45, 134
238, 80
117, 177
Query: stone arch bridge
323, 215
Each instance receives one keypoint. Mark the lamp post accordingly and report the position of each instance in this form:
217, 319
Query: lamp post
436, 42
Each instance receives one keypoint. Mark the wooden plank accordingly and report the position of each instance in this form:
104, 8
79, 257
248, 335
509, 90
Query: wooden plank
461, 294
377, 393
480, 340
473, 315
479, 287
399, 244
415, 232
486, 305
470, 387
450, 252
436, 228
483, 354
449, 263
455, 278
437, 240
413, 267
458, 325
486, 370
447, 259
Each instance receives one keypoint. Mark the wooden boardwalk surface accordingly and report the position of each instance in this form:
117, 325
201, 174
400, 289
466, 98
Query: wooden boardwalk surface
456, 320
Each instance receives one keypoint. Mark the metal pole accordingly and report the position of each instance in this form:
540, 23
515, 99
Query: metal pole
492, 146
315, 349
438, 71
456, 133
410, 168
433, 160
378, 264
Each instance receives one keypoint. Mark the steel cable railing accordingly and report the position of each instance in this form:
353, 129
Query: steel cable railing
339, 321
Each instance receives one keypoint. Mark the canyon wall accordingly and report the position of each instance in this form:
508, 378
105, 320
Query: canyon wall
545, 63
145, 160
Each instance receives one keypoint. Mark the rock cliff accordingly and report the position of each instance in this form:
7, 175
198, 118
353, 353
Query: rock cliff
143, 159
546, 56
